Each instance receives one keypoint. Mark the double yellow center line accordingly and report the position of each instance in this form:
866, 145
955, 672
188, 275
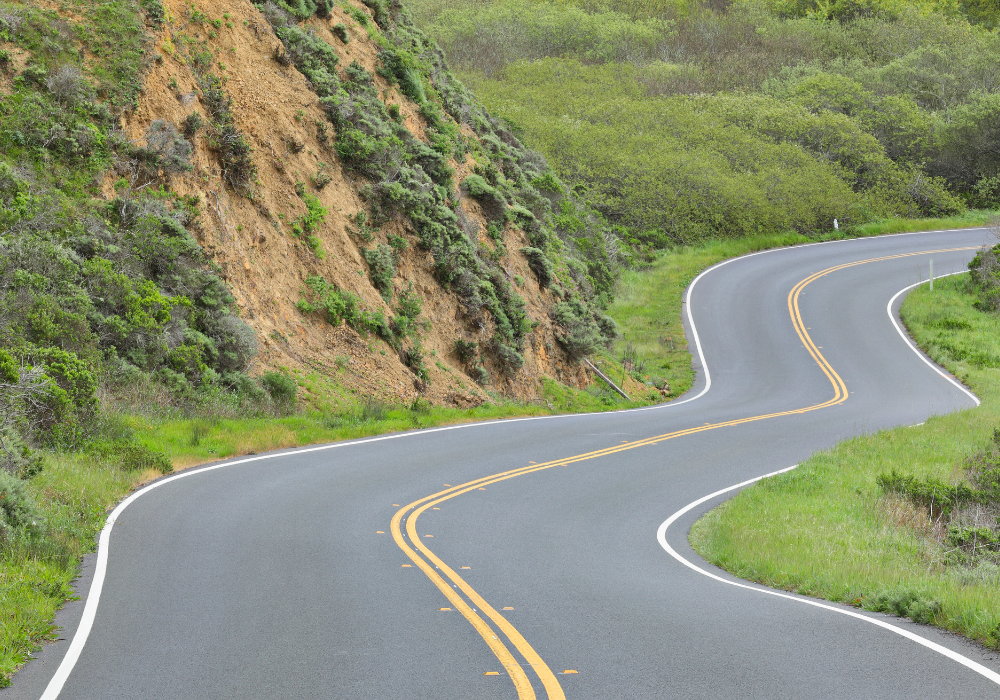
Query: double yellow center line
473, 604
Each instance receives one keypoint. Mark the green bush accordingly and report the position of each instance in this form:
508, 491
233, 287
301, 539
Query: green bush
540, 265
193, 123
381, 268
479, 375
16, 458
904, 603
281, 386
578, 332
129, 455
340, 31
18, 512
984, 278
493, 202
466, 350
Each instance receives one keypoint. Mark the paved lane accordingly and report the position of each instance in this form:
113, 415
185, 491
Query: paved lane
267, 578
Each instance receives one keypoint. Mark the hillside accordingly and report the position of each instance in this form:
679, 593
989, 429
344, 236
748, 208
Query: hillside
683, 121
235, 189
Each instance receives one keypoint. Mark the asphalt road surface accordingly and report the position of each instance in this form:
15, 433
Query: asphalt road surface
323, 573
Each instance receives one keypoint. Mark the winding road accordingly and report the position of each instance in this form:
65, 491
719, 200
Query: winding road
536, 558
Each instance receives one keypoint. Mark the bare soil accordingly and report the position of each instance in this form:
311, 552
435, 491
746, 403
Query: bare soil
266, 266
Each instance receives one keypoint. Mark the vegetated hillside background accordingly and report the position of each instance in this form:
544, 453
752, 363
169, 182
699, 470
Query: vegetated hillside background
683, 120
193, 196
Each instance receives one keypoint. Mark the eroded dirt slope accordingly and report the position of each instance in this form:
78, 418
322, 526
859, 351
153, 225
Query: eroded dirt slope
250, 239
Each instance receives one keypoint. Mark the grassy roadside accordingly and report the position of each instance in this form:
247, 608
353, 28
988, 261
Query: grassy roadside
76, 491
647, 302
828, 529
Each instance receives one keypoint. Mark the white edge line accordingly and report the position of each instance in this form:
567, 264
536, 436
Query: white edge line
922, 356
661, 534
58, 680
661, 537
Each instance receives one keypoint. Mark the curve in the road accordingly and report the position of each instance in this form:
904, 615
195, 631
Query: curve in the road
661, 537
80, 637
432, 564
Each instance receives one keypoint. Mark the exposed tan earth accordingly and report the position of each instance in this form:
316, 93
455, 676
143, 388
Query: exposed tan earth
266, 266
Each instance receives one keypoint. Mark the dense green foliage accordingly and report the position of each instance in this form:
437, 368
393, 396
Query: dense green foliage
99, 298
414, 180
682, 121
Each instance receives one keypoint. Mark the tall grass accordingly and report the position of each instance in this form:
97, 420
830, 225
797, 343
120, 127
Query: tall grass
826, 529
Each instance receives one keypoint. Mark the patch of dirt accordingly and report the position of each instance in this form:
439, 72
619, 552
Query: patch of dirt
251, 241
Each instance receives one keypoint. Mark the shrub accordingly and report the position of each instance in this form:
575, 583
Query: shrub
904, 603
281, 386
321, 179
17, 511
540, 265
232, 148
192, 124
340, 31
466, 350
509, 359
129, 455
479, 375
16, 458
984, 277
315, 213
579, 334
67, 85
492, 201
166, 149
413, 357
381, 268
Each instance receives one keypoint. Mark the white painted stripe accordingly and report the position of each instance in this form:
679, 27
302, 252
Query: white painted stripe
661, 532
909, 343
661, 537
69, 661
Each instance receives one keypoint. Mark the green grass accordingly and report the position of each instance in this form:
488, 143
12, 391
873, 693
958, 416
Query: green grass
826, 529
647, 303
970, 219
75, 492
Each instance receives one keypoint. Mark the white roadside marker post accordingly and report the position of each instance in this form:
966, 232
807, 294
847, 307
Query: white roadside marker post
932, 274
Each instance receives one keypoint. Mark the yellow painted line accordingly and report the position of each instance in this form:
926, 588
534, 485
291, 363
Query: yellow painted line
443, 609
551, 685
569, 670
517, 674
507, 608
379, 532
492, 673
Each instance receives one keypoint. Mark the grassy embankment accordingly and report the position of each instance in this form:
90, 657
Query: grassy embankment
648, 301
828, 529
75, 491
